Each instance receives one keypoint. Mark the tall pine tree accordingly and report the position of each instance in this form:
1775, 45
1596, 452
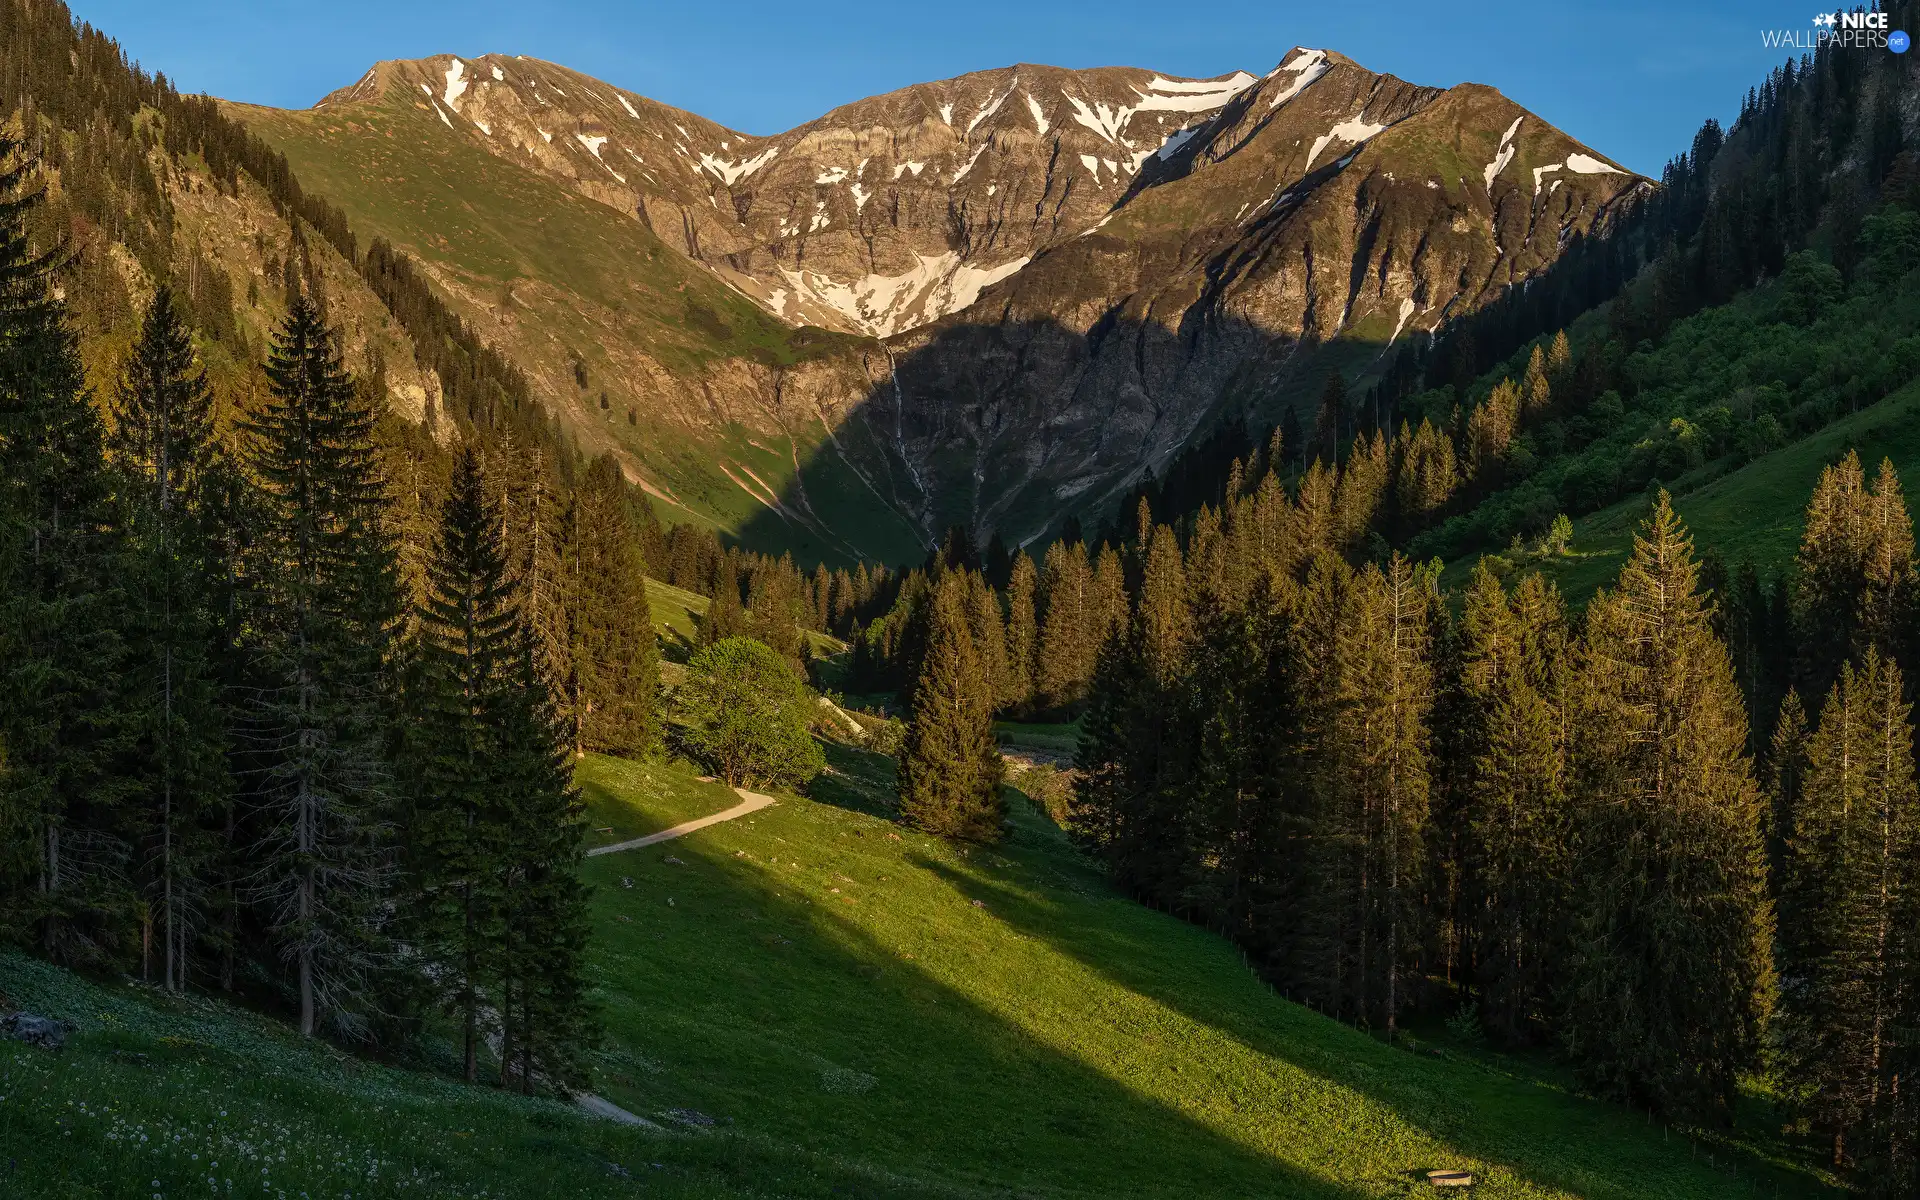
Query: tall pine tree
1849, 912
1670, 973
950, 769
616, 660
171, 473
325, 604
60, 617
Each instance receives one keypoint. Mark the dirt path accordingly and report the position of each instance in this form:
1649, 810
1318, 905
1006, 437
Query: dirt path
749, 802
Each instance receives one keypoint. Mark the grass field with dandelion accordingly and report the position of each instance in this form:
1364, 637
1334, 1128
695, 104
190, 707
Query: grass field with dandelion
814, 1001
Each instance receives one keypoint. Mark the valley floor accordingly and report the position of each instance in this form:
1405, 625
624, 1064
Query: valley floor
821, 1003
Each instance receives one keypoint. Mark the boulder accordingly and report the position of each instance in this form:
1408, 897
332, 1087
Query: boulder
44, 1032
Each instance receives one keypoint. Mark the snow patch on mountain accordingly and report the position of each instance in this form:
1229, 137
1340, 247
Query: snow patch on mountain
498, 74
860, 196
1190, 95
1171, 146
625, 105
1584, 164
962, 172
456, 84
831, 175
1103, 120
882, 305
946, 112
1505, 155
1539, 171
1039, 115
1406, 310
902, 168
731, 173
1162, 95
992, 107
1092, 165
1306, 66
1353, 131
592, 141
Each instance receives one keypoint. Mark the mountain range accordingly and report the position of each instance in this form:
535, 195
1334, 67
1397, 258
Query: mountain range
996, 301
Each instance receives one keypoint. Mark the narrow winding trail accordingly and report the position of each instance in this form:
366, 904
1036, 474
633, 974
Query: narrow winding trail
749, 802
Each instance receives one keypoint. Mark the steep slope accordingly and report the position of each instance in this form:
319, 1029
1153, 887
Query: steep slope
709, 400
1069, 273
1233, 277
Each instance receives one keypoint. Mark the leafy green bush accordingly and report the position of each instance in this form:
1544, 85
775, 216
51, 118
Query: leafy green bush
748, 715
887, 737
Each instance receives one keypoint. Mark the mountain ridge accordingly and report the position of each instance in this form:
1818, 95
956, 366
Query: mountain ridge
1267, 228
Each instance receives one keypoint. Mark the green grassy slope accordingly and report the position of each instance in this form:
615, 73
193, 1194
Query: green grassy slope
548, 276
1001, 1020
169, 1097
1755, 514
861, 1011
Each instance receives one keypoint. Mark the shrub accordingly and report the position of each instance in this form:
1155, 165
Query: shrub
1050, 788
748, 715
887, 737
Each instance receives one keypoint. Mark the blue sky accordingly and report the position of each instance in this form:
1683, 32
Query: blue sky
1633, 80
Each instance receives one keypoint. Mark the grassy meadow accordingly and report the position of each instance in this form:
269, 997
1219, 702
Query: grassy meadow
1753, 514
814, 1001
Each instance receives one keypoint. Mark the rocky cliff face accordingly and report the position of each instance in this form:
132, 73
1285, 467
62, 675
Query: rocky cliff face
1065, 274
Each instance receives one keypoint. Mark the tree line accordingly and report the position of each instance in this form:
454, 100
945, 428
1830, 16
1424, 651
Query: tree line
1675, 837
290, 701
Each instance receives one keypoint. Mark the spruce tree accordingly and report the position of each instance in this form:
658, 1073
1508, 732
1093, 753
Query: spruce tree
325, 605
989, 639
471, 629
1786, 773
548, 1019
170, 471
949, 768
1514, 803
1068, 641
615, 654
1670, 975
1330, 420
61, 616
1135, 800
1379, 795
1850, 900
1023, 633
1856, 572
1361, 493
725, 617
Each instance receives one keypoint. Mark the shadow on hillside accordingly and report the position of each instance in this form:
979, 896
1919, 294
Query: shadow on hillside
1543, 1133
750, 1000
1016, 426
855, 781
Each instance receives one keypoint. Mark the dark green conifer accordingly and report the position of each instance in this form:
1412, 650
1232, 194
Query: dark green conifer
1023, 633
170, 470
471, 632
950, 769
1670, 977
325, 605
1068, 633
1849, 903
1514, 805
616, 664
61, 618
